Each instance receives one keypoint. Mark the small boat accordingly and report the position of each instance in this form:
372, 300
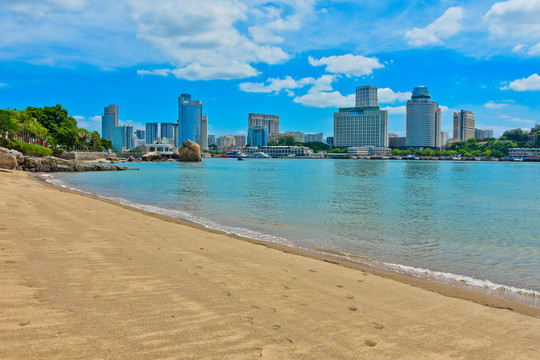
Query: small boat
261, 155
241, 159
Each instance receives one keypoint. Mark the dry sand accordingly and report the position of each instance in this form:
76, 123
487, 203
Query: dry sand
81, 278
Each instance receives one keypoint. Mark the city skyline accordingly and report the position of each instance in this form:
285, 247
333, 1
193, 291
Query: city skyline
273, 58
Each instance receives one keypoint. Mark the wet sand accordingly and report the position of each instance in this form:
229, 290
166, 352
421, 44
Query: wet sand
85, 278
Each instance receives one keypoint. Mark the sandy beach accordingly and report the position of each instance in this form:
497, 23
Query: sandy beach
83, 278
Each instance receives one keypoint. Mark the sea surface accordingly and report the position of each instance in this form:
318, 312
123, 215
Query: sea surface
469, 223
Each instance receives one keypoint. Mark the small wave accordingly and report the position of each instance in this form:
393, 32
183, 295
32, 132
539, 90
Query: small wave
466, 280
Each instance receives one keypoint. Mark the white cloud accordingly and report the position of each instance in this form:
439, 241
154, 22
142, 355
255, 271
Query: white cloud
535, 49
350, 65
159, 72
79, 117
395, 109
444, 27
326, 99
531, 83
515, 19
387, 95
493, 105
444, 108
273, 85
522, 121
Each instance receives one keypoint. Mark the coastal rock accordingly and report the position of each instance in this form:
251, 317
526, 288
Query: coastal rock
54, 164
7, 161
151, 156
189, 151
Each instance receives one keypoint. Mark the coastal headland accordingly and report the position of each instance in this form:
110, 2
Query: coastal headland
86, 278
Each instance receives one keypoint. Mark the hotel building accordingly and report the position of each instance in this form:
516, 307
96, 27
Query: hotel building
423, 120
464, 125
108, 120
363, 125
270, 122
313, 137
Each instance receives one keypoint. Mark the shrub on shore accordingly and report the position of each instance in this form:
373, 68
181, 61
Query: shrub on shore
25, 148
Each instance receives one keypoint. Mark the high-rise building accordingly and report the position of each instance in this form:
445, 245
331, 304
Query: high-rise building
464, 125
212, 140
366, 96
204, 132
330, 140
189, 119
225, 142
365, 125
167, 131
122, 137
483, 134
240, 140
151, 132
423, 120
313, 137
395, 141
258, 136
175, 135
270, 122
108, 120
444, 138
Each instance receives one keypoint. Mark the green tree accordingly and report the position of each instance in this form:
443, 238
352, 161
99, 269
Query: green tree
95, 138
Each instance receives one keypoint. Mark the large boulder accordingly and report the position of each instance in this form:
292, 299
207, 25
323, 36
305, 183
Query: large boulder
189, 151
7, 161
151, 156
54, 164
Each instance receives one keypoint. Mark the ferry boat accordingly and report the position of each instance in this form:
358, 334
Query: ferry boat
234, 155
261, 155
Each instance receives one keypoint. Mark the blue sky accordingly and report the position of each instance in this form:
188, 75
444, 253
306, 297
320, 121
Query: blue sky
300, 60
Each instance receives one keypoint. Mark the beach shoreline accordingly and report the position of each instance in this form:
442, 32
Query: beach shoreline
503, 299
85, 277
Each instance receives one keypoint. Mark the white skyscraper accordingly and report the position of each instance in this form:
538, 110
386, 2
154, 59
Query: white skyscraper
363, 125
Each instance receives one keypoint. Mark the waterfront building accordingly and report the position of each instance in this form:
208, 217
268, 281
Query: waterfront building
483, 134
122, 137
189, 119
365, 151
167, 131
464, 125
524, 153
365, 125
366, 96
274, 137
204, 132
397, 142
108, 120
313, 137
444, 138
258, 136
269, 121
151, 132
280, 151
240, 140
212, 140
330, 140
165, 149
226, 142
423, 120
532, 138
297, 135
175, 134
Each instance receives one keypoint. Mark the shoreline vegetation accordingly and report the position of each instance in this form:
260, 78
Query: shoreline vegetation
87, 277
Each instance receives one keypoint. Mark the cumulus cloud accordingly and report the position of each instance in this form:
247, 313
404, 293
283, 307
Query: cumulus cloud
444, 27
159, 72
532, 83
273, 85
444, 108
514, 18
321, 95
349, 65
387, 95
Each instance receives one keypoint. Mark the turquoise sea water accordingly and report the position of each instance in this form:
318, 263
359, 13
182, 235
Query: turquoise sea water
473, 222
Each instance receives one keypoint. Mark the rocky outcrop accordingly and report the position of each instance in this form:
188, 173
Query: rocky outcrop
7, 160
53, 164
151, 156
189, 151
